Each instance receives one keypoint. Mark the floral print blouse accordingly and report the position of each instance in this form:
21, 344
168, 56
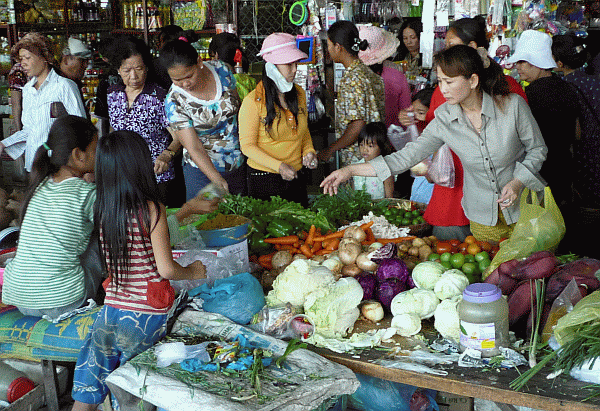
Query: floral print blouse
360, 97
146, 117
215, 121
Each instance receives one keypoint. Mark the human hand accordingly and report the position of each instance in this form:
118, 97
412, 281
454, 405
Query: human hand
404, 118
198, 205
198, 270
287, 172
221, 182
325, 155
510, 194
161, 164
310, 160
332, 181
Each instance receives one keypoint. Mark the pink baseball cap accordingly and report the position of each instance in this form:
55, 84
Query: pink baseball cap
280, 48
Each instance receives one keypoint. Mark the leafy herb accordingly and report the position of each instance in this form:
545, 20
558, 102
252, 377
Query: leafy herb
292, 346
347, 206
567, 258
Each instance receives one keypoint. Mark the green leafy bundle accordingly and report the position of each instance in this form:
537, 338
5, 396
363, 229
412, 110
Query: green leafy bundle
347, 206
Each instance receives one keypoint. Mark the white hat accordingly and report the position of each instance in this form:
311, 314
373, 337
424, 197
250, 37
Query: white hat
535, 48
77, 48
382, 44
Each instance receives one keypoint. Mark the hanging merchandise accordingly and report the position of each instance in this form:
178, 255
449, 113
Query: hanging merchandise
298, 13
190, 15
426, 46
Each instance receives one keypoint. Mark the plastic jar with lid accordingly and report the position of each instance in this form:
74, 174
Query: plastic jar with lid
483, 315
13, 383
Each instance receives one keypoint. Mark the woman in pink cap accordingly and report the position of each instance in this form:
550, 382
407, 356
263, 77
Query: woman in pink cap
273, 125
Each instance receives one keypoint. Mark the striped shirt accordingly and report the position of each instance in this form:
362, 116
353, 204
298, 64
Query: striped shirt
36, 114
46, 271
141, 288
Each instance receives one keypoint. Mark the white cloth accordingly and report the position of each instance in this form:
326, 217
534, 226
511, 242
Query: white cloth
36, 114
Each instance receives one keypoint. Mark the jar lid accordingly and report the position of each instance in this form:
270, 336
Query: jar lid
18, 388
482, 293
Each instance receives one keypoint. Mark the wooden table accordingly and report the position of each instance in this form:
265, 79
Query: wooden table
561, 394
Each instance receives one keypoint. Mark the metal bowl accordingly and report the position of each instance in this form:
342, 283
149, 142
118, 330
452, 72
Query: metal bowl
222, 237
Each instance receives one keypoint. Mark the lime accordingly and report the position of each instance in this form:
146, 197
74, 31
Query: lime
457, 260
483, 255
433, 257
416, 221
406, 221
421, 219
445, 258
408, 214
471, 271
483, 264
446, 265
469, 258
416, 213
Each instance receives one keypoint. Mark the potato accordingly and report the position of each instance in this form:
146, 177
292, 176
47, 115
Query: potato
414, 251
351, 270
424, 252
403, 247
418, 242
281, 259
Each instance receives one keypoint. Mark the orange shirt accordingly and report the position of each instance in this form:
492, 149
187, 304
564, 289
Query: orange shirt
285, 142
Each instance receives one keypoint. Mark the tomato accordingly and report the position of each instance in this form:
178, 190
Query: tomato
473, 249
454, 242
485, 246
462, 248
457, 260
471, 270
470, 239
469, 258
443, 247
482, 256
445, 258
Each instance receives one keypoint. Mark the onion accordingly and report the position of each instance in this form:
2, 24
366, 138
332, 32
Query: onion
374, 246
365, 263
372, 311
351, 270
345, 241
349, 253
356, 233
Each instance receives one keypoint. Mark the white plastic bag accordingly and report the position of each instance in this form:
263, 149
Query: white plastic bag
216, 268
441, 171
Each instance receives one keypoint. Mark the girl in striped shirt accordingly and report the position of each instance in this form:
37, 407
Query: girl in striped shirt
134, 239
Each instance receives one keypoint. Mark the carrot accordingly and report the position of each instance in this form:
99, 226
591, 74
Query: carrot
366, 225
336, 234
331, 244
323, 252
290, 239
370, 235
316, 247
395, 240
265, 261
304, 249
310, 238
290, 248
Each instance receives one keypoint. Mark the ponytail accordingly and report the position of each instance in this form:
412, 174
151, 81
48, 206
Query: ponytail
465, 61
66, 134
346, 34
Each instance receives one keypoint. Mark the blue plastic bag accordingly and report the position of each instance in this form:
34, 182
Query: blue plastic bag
238, 297
376, 394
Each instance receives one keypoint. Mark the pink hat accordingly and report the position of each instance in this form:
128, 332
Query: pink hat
280, 48
382, 44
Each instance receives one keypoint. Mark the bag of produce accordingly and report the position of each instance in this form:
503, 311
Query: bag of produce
540, 227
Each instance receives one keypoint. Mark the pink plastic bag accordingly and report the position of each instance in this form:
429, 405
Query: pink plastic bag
441, 171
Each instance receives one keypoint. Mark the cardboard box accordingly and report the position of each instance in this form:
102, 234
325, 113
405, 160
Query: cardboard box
239, 250
453, 402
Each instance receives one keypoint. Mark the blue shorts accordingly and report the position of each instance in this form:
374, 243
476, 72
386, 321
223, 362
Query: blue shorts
115, 337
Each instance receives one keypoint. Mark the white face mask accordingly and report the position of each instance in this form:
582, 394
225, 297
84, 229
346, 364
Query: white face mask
273, 73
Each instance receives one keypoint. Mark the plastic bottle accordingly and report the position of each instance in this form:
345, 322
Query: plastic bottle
13, 383
412, 129
483, 315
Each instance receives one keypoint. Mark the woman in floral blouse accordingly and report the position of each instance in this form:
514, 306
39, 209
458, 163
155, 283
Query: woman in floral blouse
202, 107
361, 97
137, 105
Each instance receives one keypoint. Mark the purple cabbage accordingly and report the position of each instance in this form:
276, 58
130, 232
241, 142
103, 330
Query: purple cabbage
387, 290
392, 268
387, 251
368, 282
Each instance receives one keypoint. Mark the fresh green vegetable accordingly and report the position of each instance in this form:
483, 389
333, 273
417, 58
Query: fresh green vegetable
292, 346
347, 206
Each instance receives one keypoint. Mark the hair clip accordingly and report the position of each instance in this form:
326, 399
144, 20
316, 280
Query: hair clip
183, 38
238, 56
484, 57
48, 149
